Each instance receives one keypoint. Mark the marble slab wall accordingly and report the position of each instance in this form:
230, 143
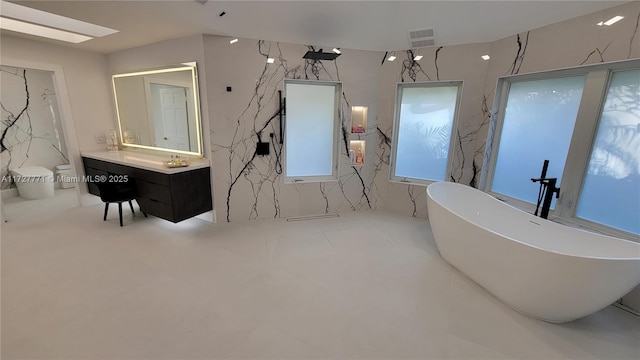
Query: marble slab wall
31, 131
574, 42
248, 186
449, 63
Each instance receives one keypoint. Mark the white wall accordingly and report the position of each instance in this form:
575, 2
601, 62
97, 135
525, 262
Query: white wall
169, 52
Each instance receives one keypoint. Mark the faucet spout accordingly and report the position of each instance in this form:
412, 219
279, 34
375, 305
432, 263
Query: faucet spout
547, 190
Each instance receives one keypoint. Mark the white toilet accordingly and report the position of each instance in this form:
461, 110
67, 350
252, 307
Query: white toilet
64, 175
33, 182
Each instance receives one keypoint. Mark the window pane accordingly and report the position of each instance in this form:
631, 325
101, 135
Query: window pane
424, 132
611, 191
538, 124
310, 136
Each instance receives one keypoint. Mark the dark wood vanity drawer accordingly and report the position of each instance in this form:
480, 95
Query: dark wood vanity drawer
156, 208
154, 191
93, 169
95, 164
191, 193
152, 177
120, 169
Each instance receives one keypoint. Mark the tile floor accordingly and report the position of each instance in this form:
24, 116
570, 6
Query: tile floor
19, 209
365, 285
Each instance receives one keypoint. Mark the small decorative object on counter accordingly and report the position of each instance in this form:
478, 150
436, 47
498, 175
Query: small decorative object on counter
176, 161
111, 138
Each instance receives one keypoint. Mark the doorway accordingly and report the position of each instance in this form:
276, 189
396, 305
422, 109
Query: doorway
32, 135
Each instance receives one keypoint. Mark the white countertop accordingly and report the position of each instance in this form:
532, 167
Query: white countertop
144, 161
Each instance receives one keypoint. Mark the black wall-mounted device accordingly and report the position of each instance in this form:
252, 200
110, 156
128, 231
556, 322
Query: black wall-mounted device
262, 148
319, 55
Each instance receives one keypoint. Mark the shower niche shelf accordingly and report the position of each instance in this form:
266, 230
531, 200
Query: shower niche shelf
356, 152
359, 119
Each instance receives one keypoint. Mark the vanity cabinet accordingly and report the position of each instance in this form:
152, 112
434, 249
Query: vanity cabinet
174, 197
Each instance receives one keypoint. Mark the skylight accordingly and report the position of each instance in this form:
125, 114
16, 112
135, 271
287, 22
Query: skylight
31, 21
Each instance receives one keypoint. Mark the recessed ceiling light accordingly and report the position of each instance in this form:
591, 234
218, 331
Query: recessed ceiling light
336, 50
417, 58
391, 58
270, 60
611, 21
43, 18
485, 57
233, 41
42, 31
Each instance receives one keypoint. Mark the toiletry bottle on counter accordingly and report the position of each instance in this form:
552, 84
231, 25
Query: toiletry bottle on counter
359, 157
111, 138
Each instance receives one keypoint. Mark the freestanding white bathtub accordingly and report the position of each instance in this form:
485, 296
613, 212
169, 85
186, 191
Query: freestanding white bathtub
540, 268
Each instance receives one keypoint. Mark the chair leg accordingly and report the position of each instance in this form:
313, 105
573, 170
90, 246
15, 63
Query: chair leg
131, 206
143, 213
106, 209
120, 212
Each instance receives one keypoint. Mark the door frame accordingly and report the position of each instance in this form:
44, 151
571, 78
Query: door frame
66, 115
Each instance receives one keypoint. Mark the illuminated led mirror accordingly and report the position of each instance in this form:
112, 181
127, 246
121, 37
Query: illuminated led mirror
160, 109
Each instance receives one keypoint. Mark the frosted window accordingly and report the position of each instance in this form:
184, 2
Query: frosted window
310, 131
538, 124
611, 191
423, 130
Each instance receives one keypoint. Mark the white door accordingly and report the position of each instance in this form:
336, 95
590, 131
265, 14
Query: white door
172, 127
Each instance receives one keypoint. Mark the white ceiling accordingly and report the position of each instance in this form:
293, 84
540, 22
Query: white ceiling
365, 25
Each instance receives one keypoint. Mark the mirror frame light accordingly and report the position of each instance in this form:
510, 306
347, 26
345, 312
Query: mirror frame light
190, 66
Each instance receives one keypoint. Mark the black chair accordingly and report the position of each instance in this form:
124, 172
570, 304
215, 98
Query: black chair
118, 192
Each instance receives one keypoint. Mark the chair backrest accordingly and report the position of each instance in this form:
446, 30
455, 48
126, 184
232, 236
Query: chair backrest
117, 191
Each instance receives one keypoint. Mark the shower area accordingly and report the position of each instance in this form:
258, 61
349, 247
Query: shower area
32, 139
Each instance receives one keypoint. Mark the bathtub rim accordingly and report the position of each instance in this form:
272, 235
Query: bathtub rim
611, 238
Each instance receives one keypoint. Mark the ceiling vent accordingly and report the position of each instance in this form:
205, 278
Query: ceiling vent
422, 38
